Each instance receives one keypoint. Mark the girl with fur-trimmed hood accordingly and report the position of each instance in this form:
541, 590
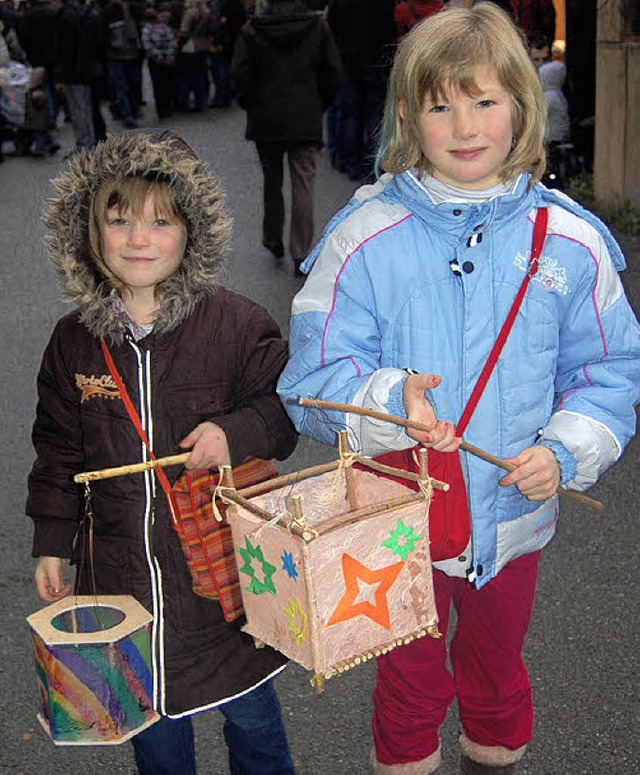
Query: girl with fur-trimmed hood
138, 232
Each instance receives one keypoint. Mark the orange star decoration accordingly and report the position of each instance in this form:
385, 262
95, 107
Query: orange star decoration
348, 608
297, 620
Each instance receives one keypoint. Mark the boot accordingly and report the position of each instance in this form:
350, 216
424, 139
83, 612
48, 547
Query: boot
470, 767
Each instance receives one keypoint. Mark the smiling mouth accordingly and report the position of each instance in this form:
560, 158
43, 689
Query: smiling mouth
467, 153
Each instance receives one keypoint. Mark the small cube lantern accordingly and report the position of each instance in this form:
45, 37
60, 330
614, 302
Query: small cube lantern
334, 563
93, 663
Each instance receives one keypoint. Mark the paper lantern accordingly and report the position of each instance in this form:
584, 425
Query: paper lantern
334, 566
93, 664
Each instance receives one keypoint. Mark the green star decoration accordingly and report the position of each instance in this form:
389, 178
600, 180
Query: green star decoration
249, 554
402, 540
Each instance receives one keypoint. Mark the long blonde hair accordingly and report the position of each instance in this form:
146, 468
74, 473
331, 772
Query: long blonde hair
442, 54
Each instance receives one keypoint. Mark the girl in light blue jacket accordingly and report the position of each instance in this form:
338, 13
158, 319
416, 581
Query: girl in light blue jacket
408, 290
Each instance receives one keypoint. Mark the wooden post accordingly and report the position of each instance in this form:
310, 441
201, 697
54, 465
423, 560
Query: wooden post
343, 448
617, 153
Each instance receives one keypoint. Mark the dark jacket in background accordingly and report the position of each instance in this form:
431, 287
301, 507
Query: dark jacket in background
287, 71
38, 38
79, 40
364, 31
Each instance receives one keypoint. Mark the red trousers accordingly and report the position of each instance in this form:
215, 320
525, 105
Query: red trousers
414, 687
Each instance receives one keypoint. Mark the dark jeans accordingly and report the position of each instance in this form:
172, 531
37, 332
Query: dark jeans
220, 68
163, 80
253, 731
302, 168
360, 107
124, 83
191, 74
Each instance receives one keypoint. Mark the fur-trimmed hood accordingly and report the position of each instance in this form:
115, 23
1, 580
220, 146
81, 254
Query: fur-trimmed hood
199, 196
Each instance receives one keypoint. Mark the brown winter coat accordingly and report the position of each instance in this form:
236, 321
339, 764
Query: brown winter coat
213, 355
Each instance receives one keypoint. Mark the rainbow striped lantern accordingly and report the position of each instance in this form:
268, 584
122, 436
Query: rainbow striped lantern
94, 669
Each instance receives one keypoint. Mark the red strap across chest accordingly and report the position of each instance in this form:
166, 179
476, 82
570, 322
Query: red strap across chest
133, 415
539, 235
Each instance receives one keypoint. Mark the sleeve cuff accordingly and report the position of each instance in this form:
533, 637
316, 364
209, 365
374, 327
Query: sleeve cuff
566, 461
395, 404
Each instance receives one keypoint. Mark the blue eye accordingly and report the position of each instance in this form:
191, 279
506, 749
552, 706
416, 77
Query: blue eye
438, 109
486, 103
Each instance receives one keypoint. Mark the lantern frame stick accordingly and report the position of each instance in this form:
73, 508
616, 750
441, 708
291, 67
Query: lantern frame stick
132, 468
316, 403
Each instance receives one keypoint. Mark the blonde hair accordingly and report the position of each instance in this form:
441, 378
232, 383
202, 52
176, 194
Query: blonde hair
442, 54
127, 195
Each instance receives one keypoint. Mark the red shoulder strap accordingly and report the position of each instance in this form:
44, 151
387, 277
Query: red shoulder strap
539, 235
133, 415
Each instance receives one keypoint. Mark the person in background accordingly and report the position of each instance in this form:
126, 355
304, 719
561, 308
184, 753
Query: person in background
79, 61
227, 19
366, 36
160, 47
540, 52
193, 50
287, 70
123, 56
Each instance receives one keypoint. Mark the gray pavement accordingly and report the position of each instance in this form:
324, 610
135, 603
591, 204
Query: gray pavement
583, 646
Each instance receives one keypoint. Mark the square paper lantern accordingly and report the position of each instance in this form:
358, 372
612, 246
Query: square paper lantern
334, 568
93, 663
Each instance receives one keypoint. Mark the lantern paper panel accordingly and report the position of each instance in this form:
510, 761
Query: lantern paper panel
93, 665
346, 589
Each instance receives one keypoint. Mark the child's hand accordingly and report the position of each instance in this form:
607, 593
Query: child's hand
210, 448
442, 435
537, 473
49, 578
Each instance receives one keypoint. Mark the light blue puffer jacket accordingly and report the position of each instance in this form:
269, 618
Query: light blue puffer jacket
382, 296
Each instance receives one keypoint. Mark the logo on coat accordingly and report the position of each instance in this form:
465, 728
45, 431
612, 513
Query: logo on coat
96, 387
550, 275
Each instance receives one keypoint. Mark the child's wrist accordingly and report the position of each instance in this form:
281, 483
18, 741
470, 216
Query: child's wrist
565, 460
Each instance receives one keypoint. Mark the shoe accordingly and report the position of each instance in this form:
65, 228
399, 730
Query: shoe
215, 104
53, 149
38, 154
277, 248
130, 123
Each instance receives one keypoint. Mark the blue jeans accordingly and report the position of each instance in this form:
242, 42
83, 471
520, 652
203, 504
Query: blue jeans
253, 731
122, 77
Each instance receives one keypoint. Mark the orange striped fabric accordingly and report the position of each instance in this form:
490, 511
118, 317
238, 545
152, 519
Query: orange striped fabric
207, 544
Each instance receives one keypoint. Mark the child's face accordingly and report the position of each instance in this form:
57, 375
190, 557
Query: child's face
142, 251
466, 139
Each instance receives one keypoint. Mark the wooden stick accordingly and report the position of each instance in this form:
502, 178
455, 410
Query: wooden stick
400, 474
343, 448
470, 448
133, 468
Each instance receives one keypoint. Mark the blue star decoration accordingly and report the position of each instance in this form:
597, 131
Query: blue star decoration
402, 540
289, 565
249, 554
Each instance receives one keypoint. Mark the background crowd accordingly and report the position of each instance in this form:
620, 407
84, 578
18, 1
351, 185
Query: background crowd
289, 63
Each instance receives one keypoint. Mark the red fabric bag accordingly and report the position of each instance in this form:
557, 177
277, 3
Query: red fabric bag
206, 542
449, 520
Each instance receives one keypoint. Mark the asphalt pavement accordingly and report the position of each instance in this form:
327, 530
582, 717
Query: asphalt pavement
582, 650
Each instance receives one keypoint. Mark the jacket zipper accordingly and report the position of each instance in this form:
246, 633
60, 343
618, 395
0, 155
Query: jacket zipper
143, 357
